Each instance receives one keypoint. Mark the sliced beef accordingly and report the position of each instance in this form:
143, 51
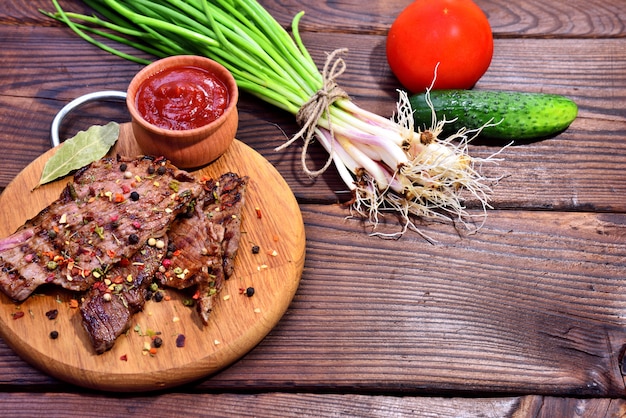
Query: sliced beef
108, 307
120, 224
104, 319
112, 207
202, 246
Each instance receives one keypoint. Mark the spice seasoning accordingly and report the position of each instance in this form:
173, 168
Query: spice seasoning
133, 239
54, 335
157, 342
52, 314
180, 340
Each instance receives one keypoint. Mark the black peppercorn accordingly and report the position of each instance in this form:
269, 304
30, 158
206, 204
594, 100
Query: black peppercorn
133, 239
134, 196
161, 170
158, 296
52, 314
54, 335
151, 170
123, 167
157, 342
255, 249
250, 292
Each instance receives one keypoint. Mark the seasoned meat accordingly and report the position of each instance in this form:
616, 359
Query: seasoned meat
226, 211
104, 319
107, 317
120, 224
202, 246
106, 214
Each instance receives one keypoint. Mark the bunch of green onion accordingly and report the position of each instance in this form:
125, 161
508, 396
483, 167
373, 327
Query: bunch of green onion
386, 163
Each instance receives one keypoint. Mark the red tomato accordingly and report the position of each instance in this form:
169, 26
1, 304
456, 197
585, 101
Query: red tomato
452, 33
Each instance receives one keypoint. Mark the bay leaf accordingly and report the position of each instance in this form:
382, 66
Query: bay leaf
82, 149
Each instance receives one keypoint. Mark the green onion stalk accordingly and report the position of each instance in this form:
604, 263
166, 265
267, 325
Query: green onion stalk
387, 164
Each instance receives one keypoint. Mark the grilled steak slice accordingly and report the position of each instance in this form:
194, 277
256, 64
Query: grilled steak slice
105, 215
104, 319
109, 305
202, 246
226, 212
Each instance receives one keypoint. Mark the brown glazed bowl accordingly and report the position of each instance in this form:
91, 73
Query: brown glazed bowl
191, 148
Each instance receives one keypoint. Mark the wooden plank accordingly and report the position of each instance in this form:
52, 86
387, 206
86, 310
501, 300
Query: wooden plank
565, 173
573, 18
285, 405
533, 304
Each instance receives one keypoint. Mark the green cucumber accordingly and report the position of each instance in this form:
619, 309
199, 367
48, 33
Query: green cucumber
517, 115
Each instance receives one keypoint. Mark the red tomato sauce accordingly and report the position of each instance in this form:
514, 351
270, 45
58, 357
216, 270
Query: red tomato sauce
182, 98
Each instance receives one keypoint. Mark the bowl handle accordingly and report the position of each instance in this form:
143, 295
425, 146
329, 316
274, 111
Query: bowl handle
76, 103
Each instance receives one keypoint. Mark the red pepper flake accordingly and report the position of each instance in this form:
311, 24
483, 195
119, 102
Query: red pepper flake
258, 212
124, 357
73, 304
124, 262
137, 225
18, 314
125, 188
167, 298
115, 217
177, 253
119, 198
167, 263
153, 351
180, 340
100, 286
111, 253
196, 295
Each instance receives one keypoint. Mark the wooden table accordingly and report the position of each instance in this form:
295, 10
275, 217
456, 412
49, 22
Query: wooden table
525, 318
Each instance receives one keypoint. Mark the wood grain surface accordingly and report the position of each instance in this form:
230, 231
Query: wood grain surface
525, 318
237, 323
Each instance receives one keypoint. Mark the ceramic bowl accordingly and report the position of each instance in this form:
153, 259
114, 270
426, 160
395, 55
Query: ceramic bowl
190, 148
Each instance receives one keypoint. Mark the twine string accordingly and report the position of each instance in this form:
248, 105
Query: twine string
317, 106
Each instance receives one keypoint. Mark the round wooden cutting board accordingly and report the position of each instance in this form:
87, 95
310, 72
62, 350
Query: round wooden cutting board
237, 324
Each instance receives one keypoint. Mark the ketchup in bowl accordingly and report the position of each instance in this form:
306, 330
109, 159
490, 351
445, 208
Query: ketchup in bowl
182, 98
